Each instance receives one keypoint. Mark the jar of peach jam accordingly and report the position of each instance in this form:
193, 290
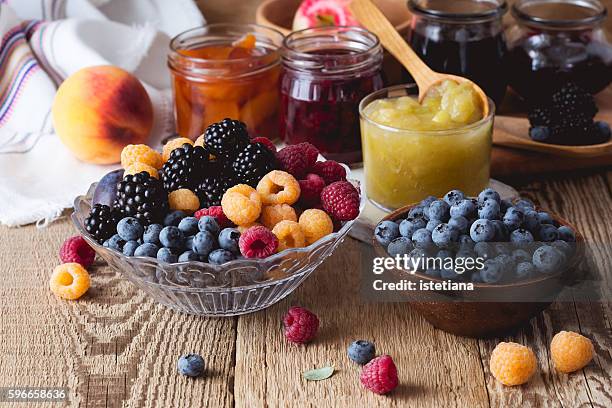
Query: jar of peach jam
226, 71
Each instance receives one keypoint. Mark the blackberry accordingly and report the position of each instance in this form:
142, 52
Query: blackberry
541, 116
211, 189
185, 167
102, 221
571, 100
226, 138
142, 197
254, 162
575, 131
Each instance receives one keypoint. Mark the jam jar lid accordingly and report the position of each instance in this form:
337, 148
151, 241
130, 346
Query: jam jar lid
459, 10
559, 14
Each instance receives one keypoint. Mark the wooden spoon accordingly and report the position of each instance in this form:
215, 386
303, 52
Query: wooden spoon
374, 20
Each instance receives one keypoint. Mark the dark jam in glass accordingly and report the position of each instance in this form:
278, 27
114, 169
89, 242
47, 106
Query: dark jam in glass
558, 42
327, 71
462, 37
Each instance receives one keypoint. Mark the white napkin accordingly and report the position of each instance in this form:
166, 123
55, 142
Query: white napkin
41, 43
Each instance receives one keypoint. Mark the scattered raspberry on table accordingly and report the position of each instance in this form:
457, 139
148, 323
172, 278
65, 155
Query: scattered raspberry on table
76, 249
301, 325
380, 375
570, 351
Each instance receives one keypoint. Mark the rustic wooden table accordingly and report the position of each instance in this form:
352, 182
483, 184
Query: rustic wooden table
115, 347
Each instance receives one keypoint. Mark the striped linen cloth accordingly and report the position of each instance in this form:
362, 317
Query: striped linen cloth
41, 43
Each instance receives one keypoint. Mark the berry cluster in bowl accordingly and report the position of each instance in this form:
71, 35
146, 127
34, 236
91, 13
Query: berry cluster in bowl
221, 198
514, 240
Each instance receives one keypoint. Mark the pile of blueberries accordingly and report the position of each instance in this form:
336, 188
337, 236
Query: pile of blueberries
515, 240
180, 239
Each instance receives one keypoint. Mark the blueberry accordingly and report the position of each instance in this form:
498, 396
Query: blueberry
465, 241
475, 278
228, 239
130, 247
189, 226
385, 232
454, 197
566, 234
488, 194
491, 272
603, 128
566, 249
427, 200
464, 208
203, 243
521, 236
361, 351
129, 229
540, 134
439, 210
191, 365
431, 224
545, 218
503, 248
531, 221
520, 255
220, 256
410, 225
174, 218
505, 261
444, 235
188, 244
433, 272
151, 234
400, 246
417, 212
172, 237
489, 210
459, 223
482, 231
422, 238
548, 233
547, 259
513, 218
450, 274
484, 250
166, 255
501, 231
210, 224
188, 256
147, 249
115, 242
525, 270
504, 205
523, 204
420, 256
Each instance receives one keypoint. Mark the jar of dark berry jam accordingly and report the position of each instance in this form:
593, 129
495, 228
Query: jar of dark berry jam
327, 71
462, 37
555, 42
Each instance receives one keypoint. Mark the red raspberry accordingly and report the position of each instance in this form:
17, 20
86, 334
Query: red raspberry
341, 200
266, 142
311, 188
217, 212
77, 250
330, 170
297, 159
257, 242
301, 325
379, 375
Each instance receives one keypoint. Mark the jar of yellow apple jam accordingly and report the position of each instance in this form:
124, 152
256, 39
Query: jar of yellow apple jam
412, 150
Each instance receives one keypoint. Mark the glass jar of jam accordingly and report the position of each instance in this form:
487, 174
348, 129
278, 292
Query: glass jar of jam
462, 37
326, 73
555, 42
226, 71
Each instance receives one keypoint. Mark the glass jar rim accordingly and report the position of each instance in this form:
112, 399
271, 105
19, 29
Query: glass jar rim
500, 8
366, 101
211, 67
300, 60
600, 12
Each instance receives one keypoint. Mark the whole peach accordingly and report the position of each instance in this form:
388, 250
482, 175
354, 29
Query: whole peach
99, 110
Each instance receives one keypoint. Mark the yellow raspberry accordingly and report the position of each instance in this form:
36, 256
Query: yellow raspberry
316, 224
69, 281
174, 144
273, 214
512, 363
242, 228
241, 204
135, 168
184, 200
289, 234
140, 153
570, 351
199, 141
278, 187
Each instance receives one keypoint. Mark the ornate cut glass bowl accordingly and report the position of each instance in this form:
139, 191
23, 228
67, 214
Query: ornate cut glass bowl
237, 287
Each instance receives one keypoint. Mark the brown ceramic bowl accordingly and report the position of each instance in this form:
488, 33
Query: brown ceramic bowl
490, 310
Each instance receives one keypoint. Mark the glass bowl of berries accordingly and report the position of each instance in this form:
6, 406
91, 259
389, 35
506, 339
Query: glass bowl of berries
205, 243
483, 265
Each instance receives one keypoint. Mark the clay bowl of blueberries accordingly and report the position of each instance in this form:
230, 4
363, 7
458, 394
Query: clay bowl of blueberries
517, 257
